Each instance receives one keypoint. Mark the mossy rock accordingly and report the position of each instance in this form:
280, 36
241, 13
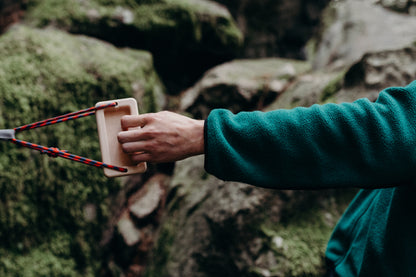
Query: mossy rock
185, 36
316, 87
44, 201
216, 228
242, 85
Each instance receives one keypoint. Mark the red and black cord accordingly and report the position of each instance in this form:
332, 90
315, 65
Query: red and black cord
55, 152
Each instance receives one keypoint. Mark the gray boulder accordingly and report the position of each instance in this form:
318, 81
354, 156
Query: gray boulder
376, 71
308, 89
406, 6
241, 85
147, 200
352, 28
128, 231
216, 228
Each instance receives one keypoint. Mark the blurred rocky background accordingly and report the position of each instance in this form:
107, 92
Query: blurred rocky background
59, 218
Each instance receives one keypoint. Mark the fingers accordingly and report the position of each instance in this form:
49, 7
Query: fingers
129, 121
131, 136
140, 157
136, 152
133, 147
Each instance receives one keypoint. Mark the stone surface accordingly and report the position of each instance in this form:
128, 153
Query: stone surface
352, 28
407, 6
366, 78
186, 37
309, 89
147, 203
216, 228
276, 28
126, 228
376, 71
241, 85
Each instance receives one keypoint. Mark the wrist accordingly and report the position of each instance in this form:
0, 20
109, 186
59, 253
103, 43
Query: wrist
198, 137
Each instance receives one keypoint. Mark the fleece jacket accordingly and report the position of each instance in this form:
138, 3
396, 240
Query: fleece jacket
364, 144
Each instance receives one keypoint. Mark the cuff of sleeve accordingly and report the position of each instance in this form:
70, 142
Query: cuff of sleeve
212, 147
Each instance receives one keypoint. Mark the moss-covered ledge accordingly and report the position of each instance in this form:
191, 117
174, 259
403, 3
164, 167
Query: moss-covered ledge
155, 20
186, 36
53, 211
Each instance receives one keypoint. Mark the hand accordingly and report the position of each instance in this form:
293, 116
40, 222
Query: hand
163, 137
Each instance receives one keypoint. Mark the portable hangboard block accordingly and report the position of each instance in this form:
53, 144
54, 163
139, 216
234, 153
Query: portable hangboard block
109, 125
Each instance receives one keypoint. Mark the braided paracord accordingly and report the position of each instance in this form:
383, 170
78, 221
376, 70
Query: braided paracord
64, 117
55, 152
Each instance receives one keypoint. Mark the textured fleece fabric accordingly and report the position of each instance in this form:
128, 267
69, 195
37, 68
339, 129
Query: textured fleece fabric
370, 145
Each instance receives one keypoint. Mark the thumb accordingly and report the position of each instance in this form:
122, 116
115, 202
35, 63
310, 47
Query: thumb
129, 121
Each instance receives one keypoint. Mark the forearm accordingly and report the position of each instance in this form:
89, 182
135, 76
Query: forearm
361, 144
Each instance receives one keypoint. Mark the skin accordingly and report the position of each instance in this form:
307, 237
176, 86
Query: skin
162, 137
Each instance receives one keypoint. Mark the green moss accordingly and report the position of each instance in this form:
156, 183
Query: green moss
332, 87
37, 263
187, 37
300, 245
52, 258
300, 238
153, 20
161, 252
328, 17
44, 74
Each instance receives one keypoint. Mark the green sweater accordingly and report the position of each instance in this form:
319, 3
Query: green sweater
370, 145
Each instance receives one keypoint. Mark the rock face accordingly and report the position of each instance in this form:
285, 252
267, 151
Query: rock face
53, 210
215, 228
125, 226
135, 226
186, 37
376, 71
146, 204
353, 28
407, 6
276, 28
366, 78
308, 89
241, 85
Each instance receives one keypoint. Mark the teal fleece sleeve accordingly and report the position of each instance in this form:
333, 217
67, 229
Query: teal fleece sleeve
361, 144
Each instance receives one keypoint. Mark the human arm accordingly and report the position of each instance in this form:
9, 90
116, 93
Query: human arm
360, 144
163, 137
